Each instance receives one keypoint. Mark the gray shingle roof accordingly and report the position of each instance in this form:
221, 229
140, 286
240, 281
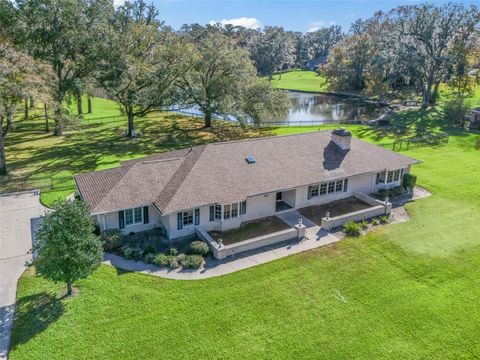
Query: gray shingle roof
218, 172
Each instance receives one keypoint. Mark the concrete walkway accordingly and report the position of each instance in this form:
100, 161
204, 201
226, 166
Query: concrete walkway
19, 213
242, 261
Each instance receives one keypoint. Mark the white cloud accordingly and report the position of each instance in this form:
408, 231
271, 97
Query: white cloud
249, 23
118, 3
317, 25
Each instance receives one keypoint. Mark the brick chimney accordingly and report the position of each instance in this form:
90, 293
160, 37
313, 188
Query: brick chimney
342, 138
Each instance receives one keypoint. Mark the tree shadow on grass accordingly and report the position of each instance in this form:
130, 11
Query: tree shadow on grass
33, 314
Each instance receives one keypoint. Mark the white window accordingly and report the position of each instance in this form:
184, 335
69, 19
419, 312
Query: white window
235, 210
129, 216
218, 212
380, 178
226, 212
339, 185
313, 191
331, 187
133, 216
231, 211
393, 176
188, 218
323, 188
327, 187
390, 177
137, 212
396, 175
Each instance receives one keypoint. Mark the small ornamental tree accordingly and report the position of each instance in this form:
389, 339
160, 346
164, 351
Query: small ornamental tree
409, 181
66, 248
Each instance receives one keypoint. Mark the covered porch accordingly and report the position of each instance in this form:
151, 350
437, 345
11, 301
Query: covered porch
285, 200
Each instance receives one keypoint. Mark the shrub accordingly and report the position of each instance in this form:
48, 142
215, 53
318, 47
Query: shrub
149, 258
409, 181
149, 249
384, 219
161, 260
383, 192
172, 262
192, 261
395, 191
137, 254
172, 251
455, 110
351, 229
197, 248
112, 239
180, 258
133, 253
375, 221
364, 224
169, 261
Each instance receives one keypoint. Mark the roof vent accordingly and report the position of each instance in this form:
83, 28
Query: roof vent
250, 159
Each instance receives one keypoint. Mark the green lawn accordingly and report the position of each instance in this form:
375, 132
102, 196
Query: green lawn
100, 108
299, 80
405, 291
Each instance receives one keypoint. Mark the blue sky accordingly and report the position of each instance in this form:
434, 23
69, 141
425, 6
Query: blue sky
300, 15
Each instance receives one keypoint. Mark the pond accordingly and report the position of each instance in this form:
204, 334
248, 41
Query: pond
317, 109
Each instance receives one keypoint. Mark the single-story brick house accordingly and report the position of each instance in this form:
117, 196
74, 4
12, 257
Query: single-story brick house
220, 185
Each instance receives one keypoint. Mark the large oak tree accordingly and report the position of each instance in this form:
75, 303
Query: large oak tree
222, 82
273, 49
144, 61
430, 34
21, 77
68, 34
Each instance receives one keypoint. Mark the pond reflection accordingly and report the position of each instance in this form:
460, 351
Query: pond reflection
318, 108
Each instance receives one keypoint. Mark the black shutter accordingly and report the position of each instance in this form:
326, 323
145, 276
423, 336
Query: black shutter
179, 221
145, 215
212, 213
121, 219
197, 216
345, 185
309, 195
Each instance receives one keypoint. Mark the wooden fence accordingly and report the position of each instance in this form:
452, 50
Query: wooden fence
308, 123
416, 142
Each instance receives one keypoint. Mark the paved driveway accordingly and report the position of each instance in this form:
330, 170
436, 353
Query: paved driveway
19, 213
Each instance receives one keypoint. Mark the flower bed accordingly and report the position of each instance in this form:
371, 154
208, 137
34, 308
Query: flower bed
151, 247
